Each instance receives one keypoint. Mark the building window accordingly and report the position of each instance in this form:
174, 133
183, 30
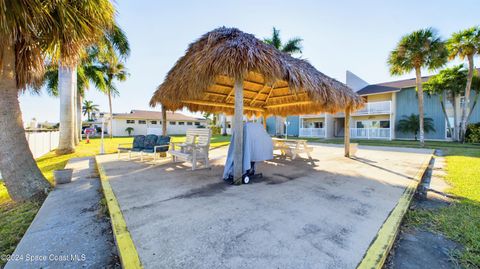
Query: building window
197, 123
153, 122
189, 123
142, 122
312, 123
130, 121
173, 122
181, 123
384, 124
372, 124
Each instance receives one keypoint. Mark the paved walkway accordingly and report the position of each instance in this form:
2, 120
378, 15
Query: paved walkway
319, 213
68, 231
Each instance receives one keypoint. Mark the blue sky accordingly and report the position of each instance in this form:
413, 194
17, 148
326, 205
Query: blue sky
338, 36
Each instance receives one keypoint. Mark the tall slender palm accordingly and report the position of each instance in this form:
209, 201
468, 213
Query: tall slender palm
78, 25
465, 44
109, 52
292, 46
112, 70
88, 108
417, 50
21, 65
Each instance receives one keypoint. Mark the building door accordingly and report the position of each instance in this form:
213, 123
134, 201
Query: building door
339, 125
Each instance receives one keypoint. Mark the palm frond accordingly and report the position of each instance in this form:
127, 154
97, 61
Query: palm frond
293, 45
275, 40
419, 49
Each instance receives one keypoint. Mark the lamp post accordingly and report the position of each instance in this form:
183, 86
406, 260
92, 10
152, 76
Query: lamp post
102, 147
286, 128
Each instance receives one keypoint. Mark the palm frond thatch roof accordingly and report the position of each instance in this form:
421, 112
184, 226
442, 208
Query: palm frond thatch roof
274, 82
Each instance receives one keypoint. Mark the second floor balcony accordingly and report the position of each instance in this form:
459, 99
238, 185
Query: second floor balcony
372, 108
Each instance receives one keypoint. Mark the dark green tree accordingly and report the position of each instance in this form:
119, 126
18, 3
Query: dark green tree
411, 124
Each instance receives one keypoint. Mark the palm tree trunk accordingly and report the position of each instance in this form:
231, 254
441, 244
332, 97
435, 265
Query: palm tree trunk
111, 114
442, 104
420, 106
455, 118
473, 106
79, 117
466, 103
66, 78
164, 121
20, 172
75, 118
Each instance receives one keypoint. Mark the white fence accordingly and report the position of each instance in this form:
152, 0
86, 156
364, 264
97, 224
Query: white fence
370, 133
312, 132
41, 143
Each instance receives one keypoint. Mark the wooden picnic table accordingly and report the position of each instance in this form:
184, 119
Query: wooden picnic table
291, 147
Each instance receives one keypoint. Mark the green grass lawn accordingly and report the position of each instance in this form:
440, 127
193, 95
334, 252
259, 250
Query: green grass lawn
16, 217
395, 143
461, 220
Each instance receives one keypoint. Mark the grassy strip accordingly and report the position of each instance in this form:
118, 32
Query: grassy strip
16, 217
461, 220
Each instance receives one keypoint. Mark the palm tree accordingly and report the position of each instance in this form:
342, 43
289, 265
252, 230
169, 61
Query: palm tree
21, 66
112, 70
292, 46
465, 44
420, 49
88, 108
78, 25
411, 124
129, 130
113, 42
448, 84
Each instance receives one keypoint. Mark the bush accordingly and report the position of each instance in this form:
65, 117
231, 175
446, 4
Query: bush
473, 133
216, 130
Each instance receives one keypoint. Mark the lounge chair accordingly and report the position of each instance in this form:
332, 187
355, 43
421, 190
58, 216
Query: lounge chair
136, 146
195, 148
154, 145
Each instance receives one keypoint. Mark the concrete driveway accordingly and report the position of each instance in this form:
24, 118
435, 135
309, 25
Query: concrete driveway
320, 213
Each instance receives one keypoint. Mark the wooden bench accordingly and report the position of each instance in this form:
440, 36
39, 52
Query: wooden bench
194, 149
292, 147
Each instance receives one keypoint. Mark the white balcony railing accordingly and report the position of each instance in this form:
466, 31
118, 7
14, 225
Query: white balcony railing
312, 132
372, 108
370, 133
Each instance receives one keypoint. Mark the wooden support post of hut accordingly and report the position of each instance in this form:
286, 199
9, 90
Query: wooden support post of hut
164, 121
238, 132
347, 132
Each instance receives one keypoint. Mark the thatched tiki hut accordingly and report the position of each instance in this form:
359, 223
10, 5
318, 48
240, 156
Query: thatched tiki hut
230, 71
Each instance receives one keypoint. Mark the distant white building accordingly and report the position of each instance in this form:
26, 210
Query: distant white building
146, 122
